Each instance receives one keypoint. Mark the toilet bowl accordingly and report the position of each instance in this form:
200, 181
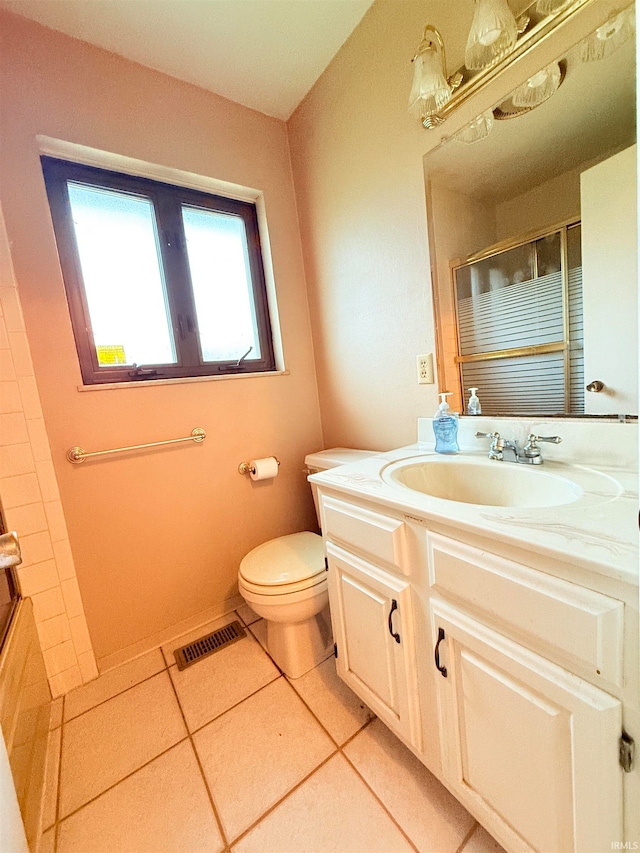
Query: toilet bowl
284, 581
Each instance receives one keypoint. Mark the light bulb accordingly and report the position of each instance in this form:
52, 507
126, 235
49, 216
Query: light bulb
610, 29
489, 36
609, 37
537, 79
538, 88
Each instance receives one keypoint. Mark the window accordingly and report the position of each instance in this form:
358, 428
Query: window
162, 281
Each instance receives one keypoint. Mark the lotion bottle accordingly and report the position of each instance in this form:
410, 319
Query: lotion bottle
473, 406
445, 427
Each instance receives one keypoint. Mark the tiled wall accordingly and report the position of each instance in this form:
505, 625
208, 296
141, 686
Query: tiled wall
31, 502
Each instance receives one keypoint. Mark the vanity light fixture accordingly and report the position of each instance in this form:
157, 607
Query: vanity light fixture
493, 34
477, 129
497, 38
538, 88
431, 88
609, 37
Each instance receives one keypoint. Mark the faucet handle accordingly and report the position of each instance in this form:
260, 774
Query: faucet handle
553, 439
497, 444
531, 450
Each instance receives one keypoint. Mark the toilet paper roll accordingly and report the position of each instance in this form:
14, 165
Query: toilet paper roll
264, 469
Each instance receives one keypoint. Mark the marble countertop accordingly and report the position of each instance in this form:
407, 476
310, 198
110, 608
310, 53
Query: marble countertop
598, 531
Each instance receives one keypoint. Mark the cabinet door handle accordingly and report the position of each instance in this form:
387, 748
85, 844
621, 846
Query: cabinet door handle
441, 669
394, 606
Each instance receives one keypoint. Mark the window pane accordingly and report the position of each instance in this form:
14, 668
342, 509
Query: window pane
221, 279
118, 249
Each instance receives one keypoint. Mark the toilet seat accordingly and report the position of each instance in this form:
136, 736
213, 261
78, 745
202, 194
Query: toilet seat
281, 589
284, 565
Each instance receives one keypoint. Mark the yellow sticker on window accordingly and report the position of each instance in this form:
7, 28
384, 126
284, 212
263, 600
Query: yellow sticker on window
113, 354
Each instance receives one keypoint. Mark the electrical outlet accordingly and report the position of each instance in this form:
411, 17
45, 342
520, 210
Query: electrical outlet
425, 369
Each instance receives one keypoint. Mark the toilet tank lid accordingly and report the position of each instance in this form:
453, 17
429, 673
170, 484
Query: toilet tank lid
335, 456
285, 560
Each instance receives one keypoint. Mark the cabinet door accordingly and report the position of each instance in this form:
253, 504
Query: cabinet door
530, 748
373, 627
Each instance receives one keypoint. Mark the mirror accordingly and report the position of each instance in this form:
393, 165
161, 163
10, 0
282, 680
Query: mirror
546, 199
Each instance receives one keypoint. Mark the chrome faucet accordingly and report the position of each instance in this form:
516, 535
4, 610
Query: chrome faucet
529, 454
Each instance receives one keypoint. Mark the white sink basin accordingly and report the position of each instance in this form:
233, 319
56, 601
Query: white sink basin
481, 481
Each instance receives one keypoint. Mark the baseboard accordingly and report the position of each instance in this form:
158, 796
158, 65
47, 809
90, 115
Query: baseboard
161, 637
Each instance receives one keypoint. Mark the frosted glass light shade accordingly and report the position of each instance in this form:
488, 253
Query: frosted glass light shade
493, 34
431, 89
477, 129
546, 7
538, 88
609, 37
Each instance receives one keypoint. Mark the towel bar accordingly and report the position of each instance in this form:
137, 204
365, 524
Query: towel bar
77, 454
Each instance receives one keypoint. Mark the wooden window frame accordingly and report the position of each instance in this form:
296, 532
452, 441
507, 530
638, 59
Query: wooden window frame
167, 201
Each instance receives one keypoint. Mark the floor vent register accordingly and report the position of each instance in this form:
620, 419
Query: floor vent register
207, 645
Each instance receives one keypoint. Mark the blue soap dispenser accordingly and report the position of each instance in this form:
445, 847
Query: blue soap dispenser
445, 427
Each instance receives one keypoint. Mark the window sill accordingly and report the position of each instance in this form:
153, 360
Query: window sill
149, 383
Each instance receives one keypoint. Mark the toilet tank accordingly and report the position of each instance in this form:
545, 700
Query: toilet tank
325, 459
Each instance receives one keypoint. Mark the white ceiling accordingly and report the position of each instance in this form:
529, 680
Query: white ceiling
265, 54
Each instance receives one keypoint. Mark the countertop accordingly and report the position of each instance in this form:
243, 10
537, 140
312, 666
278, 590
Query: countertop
598, 531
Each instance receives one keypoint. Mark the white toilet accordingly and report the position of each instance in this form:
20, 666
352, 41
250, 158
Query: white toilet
284, 581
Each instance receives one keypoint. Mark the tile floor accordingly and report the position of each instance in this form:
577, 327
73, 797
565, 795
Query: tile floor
229, 756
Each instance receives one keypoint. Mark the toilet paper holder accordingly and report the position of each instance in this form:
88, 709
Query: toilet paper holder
248, 468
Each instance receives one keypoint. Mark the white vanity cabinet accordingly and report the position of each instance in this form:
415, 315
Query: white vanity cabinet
528, 747
508, 682
372, 612
527, 743
373, 627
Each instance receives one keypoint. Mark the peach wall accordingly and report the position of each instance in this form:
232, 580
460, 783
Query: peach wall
156, 536
357, 160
